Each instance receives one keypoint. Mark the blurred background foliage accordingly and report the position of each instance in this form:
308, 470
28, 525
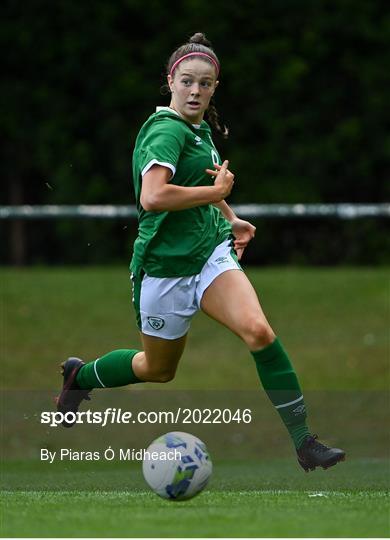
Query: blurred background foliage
304, 91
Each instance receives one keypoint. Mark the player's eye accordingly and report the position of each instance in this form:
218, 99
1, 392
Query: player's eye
186, 82
205, 84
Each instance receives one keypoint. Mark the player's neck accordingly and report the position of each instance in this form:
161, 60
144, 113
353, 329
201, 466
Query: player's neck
196, 124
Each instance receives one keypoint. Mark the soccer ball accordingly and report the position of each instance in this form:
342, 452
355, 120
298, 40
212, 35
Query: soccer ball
177, 466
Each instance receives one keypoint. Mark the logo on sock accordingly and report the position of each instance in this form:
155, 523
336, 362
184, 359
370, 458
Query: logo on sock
156, 322
299, 410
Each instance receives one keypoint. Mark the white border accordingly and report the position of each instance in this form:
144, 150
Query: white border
162, 163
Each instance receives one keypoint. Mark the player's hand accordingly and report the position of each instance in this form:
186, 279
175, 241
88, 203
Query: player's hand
224, 180
243, 232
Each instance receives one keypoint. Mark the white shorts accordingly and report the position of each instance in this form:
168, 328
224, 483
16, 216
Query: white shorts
165, 306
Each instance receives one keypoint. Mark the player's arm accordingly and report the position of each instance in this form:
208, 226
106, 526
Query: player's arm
227, 212
243, 230
158, 195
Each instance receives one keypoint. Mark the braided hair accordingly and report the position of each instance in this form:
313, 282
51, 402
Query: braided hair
200, 44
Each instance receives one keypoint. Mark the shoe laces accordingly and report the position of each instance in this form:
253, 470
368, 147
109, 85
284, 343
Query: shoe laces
315, 444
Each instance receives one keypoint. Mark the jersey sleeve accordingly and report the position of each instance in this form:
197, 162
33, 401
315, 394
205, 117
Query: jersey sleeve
162, 145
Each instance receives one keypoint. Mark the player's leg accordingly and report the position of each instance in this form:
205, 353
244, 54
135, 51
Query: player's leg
156, 363
159, 359
231, 300
163, 334
163, 325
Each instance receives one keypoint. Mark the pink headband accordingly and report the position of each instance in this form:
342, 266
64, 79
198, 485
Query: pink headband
195, 54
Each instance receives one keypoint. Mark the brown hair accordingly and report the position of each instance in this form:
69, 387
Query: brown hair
199, 43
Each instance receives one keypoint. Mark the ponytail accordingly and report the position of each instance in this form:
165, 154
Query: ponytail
213, 118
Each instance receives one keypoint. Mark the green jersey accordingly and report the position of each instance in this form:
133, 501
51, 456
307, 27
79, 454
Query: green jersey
171, 244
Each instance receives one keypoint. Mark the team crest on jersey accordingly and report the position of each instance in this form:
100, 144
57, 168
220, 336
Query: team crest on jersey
198, 140
156, 322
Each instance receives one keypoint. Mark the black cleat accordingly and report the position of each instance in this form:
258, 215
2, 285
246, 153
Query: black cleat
71, 394
313, 454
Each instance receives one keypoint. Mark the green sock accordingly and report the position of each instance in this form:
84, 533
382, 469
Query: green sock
281, 384
112, 369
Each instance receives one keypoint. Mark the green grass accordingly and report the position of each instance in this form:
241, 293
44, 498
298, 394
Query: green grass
217, 514
333, 322
253, 499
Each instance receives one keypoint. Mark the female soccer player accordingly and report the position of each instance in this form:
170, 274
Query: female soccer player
186, 257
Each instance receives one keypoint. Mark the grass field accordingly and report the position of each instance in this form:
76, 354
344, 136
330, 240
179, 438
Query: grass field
334, 322
268, 498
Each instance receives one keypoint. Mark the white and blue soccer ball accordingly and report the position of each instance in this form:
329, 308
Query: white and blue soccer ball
177, 466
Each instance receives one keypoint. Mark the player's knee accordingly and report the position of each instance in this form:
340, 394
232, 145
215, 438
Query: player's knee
166, 376
258, 334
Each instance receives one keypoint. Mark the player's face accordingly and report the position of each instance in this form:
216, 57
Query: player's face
192, 86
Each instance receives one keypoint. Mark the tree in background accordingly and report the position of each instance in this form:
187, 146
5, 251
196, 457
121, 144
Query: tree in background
303, 89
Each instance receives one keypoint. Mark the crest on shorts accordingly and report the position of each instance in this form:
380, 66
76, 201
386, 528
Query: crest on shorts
156, 322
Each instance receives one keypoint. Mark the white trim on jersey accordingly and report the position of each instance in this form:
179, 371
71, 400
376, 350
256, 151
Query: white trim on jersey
162, 163
169, 109
197, 126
